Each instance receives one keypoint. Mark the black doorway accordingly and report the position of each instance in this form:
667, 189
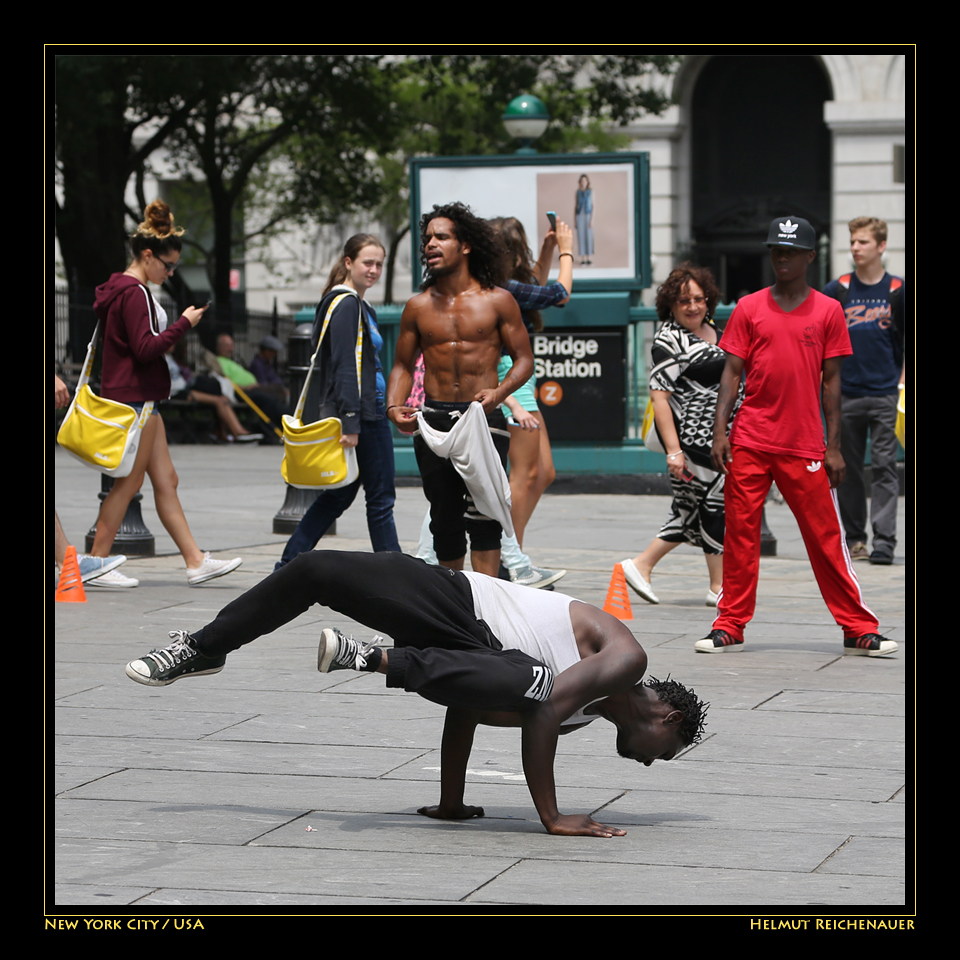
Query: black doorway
760, 149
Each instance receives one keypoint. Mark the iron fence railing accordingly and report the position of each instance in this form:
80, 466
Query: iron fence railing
248, 328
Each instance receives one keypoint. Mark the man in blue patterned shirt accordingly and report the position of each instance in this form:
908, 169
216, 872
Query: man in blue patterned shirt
873, 302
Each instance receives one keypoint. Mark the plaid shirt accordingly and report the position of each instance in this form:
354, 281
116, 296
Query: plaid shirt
531, 297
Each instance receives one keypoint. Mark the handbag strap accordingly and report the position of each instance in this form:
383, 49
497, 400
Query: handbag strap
298, 413
88, 360
152, 307
92, 346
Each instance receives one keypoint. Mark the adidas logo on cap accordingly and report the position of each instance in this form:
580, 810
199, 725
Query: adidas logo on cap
792, 233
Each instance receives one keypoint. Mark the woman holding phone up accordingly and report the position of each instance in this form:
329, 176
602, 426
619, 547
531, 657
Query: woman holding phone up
531, 459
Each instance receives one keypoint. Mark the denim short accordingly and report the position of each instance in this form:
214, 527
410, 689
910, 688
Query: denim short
525, 394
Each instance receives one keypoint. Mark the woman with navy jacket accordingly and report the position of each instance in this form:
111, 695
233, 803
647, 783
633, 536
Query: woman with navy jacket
355, 397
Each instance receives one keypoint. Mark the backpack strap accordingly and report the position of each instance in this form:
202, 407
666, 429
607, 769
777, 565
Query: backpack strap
896, 307
843, 289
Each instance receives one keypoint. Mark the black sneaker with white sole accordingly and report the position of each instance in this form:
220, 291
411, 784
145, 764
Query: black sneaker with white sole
337, 651
869, 645
717, 641
180, 659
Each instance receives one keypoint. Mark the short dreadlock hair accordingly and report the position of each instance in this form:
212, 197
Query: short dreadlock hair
486, 256
680, 698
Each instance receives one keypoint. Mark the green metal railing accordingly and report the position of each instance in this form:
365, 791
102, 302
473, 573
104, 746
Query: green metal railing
603, 309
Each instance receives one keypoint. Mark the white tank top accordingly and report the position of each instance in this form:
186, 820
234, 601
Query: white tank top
536, 622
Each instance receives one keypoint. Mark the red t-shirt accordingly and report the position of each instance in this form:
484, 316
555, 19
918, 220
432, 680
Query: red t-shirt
783, 356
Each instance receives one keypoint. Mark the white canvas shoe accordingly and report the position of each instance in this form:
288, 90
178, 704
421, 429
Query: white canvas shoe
210, 569
632, 575
114, 579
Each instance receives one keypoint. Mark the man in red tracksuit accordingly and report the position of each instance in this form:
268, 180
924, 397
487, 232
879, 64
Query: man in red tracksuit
791, 341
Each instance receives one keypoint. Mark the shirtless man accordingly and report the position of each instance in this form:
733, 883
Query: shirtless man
492, 652
461, 322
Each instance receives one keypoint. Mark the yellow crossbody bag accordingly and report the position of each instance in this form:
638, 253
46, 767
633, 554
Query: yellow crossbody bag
101, 433
313, 458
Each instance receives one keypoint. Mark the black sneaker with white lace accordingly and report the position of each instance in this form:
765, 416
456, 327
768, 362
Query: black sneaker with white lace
180, 659
339, 652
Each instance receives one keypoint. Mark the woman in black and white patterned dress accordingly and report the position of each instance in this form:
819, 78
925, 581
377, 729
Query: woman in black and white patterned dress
683, 389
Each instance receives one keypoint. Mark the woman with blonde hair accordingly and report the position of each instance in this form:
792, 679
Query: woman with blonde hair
136, 334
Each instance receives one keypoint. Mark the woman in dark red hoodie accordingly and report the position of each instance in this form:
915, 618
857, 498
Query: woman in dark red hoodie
135, 337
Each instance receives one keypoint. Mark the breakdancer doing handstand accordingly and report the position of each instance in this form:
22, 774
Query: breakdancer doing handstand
490, 651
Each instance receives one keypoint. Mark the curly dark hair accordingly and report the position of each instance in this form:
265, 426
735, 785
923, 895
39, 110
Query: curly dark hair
486, 257
680, 698
672, 289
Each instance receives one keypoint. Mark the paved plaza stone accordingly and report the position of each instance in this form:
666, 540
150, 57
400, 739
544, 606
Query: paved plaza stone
272, 786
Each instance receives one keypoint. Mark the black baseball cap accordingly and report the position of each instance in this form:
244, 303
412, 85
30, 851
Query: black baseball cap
792, 232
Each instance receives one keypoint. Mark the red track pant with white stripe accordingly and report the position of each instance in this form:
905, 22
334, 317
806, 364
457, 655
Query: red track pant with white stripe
814, 505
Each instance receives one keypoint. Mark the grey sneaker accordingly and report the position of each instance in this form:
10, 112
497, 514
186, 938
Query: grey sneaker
859, 551
536, 577
339, 652
180, 659
93, 567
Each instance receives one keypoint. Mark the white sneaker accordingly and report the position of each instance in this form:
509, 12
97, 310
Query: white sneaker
114, 579
712, 598
536, 577
632, 575
210, 569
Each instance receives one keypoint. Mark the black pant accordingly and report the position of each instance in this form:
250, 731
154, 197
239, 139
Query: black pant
452, 511
441, 650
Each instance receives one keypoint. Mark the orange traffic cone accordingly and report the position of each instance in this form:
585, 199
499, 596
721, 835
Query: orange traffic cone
618, 600
70, 586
